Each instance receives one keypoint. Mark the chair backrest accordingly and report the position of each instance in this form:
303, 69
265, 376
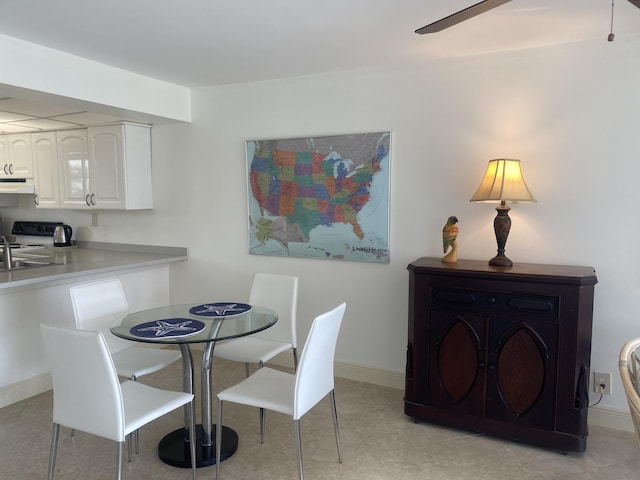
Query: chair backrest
280, 294
314, 377
629, 364
86, 390
97, 305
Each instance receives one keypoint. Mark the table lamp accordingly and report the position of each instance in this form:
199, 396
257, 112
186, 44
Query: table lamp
502, 182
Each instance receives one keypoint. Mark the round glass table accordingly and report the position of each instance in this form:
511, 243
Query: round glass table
184, 325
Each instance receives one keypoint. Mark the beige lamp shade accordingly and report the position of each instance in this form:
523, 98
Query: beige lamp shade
503, 182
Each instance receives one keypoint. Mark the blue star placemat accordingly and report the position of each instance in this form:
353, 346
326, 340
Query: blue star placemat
171, 327
220, 309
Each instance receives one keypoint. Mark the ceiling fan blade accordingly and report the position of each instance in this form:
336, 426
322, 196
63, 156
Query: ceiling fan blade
635, 2
465, 14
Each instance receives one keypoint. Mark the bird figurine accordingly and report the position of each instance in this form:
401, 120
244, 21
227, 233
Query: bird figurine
449, 239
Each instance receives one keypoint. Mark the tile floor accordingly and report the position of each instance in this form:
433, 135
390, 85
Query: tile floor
378, 441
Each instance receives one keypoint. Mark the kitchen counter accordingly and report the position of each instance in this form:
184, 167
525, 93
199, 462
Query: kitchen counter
87, 258
33, 295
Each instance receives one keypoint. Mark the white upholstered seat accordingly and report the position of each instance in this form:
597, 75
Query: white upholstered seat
280, 294
293, 394
96, 306
88, 396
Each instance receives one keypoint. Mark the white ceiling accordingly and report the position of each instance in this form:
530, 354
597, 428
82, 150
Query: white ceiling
211, 42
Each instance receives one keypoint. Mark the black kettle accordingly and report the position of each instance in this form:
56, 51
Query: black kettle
62, 236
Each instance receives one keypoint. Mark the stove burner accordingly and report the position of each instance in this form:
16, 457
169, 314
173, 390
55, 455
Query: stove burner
31, 246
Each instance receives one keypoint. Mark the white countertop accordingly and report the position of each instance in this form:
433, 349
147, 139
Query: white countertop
88, 258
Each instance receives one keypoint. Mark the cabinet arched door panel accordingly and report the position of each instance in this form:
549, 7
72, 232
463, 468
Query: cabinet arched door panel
456, 361
521, 367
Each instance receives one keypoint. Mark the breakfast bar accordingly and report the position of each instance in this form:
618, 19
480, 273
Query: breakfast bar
32, 295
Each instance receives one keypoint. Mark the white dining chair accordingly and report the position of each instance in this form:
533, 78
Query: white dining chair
96, 306
280, 294
293, 394
88, 396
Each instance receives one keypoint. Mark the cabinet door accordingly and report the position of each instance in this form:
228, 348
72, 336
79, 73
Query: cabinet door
20, 162
73, 162
106, 153
4, 155
522, 370
120, 157
457, 361
45, 170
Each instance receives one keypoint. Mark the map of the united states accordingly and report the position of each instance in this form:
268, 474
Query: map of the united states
300, 186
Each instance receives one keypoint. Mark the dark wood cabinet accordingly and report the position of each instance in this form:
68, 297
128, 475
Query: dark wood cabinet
501, 350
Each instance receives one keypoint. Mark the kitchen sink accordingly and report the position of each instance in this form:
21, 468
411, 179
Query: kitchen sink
19, 264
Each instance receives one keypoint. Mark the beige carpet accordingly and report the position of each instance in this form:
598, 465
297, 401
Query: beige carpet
378, 442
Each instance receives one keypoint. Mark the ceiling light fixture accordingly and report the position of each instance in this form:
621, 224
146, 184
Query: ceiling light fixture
611, 36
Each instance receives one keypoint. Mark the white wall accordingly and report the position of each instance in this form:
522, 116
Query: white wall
570, 113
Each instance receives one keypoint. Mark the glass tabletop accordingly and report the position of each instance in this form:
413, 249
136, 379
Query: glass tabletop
194, 323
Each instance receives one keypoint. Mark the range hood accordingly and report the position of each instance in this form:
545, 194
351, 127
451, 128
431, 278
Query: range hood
17, 185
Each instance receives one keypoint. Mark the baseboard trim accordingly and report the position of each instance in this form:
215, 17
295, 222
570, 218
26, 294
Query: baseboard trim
601, 416
353, 371
610, 418
24, 389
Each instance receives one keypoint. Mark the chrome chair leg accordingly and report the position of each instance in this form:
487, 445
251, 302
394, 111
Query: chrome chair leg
296, 424
295, 359
334, 412
119, 448
218, 439
262, 425
129, 446
134, 435
54, 449
192, 435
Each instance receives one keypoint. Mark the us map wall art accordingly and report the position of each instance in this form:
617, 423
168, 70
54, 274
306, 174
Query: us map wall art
320, 197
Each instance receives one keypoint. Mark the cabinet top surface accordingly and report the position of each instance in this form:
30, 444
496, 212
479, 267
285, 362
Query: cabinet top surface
529, 271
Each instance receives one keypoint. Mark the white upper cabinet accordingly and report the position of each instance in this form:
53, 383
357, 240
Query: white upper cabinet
106, 168
120, 167
4, 152
45, 170
73, 165
16, 156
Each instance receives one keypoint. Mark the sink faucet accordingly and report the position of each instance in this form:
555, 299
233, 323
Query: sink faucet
6, 253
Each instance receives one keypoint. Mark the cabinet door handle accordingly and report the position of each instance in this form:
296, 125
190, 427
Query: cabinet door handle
93, 199
35, 199
86, 200
11, 168
6, 167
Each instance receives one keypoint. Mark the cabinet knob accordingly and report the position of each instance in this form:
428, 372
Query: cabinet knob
491, 300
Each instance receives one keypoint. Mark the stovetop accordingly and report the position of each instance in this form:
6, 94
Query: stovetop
32, 235
36, 229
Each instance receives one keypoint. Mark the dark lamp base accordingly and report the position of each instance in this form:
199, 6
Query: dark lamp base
500, 261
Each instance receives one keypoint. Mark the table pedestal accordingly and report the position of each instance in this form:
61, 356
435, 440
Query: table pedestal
174, 447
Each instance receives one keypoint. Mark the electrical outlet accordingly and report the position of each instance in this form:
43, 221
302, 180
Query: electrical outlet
94, 219
602, 383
